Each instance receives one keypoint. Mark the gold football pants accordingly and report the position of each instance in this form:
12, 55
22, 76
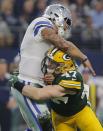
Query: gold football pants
85, 120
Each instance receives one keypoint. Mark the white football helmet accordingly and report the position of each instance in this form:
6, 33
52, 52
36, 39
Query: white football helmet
59, 14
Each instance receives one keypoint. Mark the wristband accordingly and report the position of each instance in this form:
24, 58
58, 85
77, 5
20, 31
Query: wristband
19, 86
84, 60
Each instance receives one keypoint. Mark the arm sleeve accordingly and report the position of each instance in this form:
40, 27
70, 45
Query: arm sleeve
40, 25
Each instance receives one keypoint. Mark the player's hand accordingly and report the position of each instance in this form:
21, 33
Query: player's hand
87, 64
48, 78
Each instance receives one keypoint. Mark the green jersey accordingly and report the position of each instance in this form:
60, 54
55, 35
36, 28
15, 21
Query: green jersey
71, 103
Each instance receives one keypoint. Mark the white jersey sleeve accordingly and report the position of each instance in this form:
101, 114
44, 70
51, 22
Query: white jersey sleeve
40, 24
33, 48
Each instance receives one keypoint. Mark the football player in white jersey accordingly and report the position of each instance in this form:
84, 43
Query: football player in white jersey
41, 34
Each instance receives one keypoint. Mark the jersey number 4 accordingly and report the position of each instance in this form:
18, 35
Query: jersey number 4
70, 74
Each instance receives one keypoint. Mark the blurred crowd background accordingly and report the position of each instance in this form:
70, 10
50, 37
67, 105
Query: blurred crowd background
86, 34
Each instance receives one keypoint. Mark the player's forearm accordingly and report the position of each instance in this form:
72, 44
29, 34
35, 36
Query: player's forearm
75, 52
35, 93
69, 48
30, 92
47, 92
44, 93
58, 41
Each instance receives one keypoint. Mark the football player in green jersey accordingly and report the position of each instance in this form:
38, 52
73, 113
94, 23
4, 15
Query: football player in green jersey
67, 100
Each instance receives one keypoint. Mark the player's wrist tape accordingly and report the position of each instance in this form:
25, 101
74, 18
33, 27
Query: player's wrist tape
19, 86
85, 60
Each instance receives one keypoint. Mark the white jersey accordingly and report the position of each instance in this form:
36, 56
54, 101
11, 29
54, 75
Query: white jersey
33, 49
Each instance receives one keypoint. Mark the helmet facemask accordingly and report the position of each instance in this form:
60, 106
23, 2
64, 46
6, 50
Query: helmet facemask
63, 24
64, 28
60, 16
